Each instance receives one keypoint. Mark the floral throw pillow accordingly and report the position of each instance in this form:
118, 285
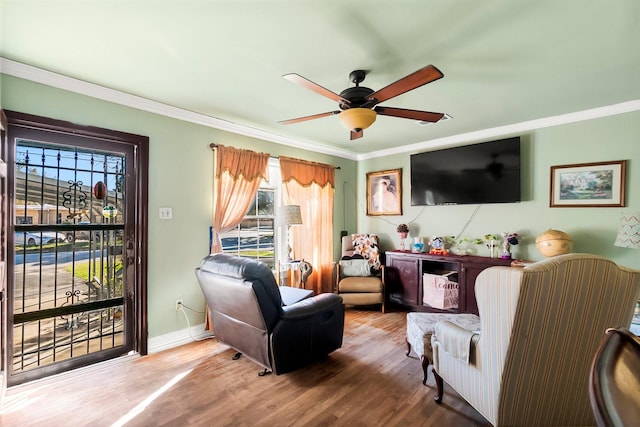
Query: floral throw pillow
367, 246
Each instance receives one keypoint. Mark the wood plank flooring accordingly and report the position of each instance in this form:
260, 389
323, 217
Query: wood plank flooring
368, 382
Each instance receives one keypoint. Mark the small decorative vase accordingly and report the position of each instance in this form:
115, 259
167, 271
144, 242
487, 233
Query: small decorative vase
506, 249
418, 245
492, 248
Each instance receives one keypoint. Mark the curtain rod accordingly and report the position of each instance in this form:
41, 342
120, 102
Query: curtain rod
213, 146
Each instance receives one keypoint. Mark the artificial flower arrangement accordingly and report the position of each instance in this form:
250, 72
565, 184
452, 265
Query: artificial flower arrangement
511, 238
402, 228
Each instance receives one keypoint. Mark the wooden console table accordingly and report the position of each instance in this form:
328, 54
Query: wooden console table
403, 278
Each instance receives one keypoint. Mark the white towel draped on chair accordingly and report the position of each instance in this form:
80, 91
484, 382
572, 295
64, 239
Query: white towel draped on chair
455, 340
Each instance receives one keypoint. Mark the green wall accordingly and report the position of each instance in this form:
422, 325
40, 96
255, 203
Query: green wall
180, 177
592, 229
181, 168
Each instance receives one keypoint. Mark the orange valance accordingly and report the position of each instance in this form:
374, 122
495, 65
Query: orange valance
239, 162
306, 173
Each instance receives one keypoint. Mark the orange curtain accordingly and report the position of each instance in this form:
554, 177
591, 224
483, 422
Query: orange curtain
311, 185
238, 174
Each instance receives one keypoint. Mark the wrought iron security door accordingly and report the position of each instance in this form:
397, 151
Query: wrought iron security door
71, 284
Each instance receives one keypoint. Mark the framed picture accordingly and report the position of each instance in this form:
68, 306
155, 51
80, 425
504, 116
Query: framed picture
384, 192
588, 185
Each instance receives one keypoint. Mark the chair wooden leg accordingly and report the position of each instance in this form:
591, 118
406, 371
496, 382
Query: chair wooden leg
425, 365
440, 384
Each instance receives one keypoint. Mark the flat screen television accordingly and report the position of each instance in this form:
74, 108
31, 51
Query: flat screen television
488, 172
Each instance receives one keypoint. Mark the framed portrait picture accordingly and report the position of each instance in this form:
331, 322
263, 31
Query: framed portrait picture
588, 185
384, 192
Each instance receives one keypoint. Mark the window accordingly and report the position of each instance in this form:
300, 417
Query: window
255, 236
24, 220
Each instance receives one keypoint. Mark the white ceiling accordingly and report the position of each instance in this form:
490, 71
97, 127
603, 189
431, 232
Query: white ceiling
506, 62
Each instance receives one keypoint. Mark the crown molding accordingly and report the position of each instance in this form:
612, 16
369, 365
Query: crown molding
60, 81
578, 116
49, 78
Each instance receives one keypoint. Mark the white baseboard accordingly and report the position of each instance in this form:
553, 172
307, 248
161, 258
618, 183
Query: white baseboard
174, 339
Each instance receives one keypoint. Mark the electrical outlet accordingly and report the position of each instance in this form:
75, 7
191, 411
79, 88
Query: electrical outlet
178, 304
165, 213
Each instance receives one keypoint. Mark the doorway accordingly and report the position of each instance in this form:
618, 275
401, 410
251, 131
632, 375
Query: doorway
76, 246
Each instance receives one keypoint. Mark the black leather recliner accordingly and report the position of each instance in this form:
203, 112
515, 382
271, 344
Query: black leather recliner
248, 315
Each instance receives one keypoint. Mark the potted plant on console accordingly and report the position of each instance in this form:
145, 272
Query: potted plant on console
403, 232
492, 243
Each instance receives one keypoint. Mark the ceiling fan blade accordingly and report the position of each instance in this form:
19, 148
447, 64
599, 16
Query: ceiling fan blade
355, 135
305, 118
299, 80
425, 116
416, 79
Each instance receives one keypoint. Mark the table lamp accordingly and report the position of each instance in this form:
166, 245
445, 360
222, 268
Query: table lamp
629, 231
629, 237
289, 215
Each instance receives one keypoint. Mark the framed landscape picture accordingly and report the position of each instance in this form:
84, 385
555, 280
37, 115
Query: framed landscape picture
384, 192
588, 185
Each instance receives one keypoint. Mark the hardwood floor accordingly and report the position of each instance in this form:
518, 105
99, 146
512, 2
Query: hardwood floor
368, 382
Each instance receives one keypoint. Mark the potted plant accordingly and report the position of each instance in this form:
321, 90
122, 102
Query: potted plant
403, 232
466, 245
492, 243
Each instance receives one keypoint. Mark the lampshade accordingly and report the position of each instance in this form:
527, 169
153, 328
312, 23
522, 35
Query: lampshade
289, 215
357, 119
629, 231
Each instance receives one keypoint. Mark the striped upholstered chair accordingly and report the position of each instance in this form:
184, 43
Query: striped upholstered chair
540, 327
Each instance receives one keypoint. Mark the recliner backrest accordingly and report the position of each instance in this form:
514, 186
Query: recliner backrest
250, 282
247, 315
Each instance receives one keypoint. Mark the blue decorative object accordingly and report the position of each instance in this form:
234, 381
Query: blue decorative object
418, 245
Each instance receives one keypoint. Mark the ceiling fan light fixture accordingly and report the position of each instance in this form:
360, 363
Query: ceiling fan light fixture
359, 104
357, 119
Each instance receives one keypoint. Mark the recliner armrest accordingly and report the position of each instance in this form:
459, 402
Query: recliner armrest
312, 306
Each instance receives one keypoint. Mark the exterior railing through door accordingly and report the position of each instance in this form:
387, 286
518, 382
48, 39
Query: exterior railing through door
68, 287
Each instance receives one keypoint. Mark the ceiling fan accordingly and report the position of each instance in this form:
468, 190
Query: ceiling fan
359, 105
